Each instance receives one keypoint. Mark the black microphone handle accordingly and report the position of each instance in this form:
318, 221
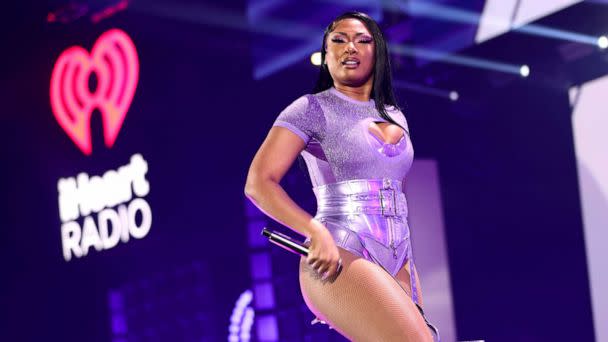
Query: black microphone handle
285, 242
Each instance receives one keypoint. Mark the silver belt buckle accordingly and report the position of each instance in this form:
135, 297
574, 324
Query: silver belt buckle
388, 202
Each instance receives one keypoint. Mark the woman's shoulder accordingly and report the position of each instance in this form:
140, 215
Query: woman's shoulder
304, 103
397, 114
392, 109
305, 107
302, 118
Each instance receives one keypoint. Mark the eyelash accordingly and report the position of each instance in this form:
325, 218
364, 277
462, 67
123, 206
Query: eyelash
365, 41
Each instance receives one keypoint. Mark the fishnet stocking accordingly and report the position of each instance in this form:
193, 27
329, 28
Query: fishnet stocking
364, 303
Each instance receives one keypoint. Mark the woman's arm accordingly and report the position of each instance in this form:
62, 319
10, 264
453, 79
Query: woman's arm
271, 162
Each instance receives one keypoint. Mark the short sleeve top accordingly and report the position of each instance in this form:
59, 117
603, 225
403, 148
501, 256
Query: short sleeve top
339, 145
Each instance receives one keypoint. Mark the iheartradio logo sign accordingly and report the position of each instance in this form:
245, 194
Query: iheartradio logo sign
99, 211
114, 62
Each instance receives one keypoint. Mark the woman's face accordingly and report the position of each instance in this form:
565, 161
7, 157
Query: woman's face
350, 53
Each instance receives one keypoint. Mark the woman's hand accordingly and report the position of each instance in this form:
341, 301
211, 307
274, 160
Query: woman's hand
323, 254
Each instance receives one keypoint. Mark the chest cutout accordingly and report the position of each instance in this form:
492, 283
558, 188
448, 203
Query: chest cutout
386, 132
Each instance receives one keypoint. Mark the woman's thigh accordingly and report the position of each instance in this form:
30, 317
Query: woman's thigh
364, 303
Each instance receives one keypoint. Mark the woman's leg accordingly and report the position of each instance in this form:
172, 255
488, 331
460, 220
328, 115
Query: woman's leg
364, 303
403, 278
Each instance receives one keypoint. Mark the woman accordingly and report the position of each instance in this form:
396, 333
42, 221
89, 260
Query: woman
359, 276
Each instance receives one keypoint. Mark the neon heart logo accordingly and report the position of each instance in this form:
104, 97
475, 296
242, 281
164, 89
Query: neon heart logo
114, 61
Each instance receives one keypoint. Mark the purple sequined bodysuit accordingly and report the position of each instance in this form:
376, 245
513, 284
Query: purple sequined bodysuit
356, 177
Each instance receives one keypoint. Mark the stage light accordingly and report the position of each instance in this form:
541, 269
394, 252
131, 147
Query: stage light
455, 14
524, 71
446, 57
285, 59
454, 95
315, 58
426, 90
602, 42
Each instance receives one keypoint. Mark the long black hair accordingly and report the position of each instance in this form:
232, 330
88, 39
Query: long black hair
382, 88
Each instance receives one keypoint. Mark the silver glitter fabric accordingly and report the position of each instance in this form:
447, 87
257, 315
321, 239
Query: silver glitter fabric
339, 144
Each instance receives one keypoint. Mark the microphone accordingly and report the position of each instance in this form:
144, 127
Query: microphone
293, 246
285, 242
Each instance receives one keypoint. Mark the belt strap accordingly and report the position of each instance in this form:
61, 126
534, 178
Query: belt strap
377, 198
